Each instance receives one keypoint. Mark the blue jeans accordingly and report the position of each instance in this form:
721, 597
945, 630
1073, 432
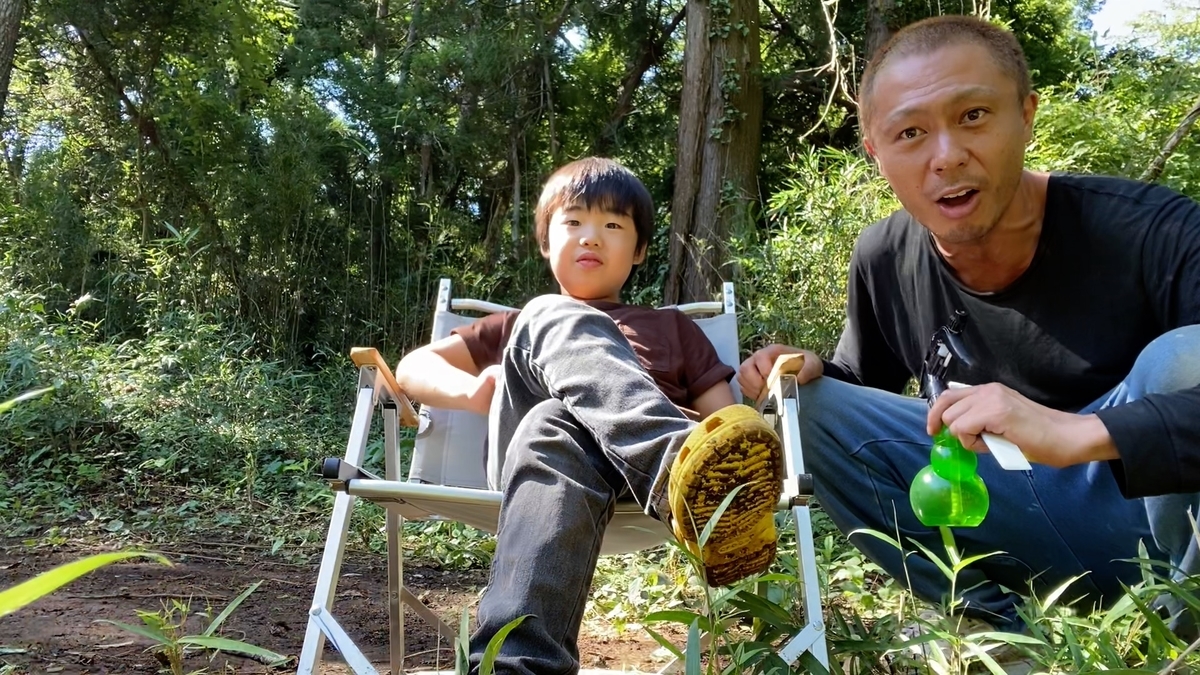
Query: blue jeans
576, 424
864, 447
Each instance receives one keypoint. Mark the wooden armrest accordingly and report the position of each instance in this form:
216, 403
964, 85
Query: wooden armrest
369, 356
788, 364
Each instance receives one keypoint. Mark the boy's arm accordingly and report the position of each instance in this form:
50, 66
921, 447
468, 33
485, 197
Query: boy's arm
718, 396
443, 374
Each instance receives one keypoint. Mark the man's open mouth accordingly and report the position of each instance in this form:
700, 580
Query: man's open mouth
958, 198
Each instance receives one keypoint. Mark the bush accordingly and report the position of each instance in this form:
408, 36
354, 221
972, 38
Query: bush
792, 281
188, 404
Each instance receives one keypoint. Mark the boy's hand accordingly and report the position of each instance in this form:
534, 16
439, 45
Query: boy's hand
752, 376
480, 400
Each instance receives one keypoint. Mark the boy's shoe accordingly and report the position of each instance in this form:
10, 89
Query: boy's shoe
731, 447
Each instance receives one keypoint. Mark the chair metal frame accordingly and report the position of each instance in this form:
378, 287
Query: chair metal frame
377, 389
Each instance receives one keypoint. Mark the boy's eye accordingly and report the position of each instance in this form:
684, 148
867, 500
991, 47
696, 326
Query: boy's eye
571, 223
613, 226
910, 133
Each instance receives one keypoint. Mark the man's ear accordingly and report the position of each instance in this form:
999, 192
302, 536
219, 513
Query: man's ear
1028, 112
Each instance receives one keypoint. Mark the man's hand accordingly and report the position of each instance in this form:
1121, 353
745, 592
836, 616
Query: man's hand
479, 400
1045, 436
752, 376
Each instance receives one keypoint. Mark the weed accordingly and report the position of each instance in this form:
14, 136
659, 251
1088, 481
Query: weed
166, 628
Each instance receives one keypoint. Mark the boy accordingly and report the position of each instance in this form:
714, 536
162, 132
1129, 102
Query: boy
585, 398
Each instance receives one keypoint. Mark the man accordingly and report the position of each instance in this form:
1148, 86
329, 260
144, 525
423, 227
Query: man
1082, 296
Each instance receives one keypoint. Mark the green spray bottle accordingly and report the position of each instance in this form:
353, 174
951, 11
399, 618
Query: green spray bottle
948, 492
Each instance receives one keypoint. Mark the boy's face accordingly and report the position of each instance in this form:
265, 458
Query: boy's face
591, 252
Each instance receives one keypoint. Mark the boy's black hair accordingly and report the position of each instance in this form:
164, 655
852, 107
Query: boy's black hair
600, 183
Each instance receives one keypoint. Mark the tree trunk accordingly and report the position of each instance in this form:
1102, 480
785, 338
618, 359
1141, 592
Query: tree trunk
10, 28
878, 31
514, 161
14, 159
1160, 162
410, 42
388, 160
720, 121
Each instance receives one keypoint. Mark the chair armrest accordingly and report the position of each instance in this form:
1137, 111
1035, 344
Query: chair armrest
788, 364
369, 356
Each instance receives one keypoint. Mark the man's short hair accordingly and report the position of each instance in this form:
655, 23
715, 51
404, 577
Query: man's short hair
929, 35
595, 183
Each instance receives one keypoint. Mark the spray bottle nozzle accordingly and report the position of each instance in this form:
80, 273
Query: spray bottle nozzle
945, 346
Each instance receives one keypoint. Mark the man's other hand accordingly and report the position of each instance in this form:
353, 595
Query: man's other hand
752, 376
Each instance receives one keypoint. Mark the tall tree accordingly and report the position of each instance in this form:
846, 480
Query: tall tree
720, 121
10, 28
878, 30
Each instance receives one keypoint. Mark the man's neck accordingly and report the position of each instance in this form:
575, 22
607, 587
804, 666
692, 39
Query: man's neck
998, 259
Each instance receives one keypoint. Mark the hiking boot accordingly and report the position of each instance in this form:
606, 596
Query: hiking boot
731, 447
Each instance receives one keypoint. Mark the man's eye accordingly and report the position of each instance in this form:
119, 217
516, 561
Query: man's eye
974, 115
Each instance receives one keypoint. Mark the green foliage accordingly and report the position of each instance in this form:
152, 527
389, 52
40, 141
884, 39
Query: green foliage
167, 629
12, 599
1115, 120
874, 625
187, 403
206, 203
793, 274
487, 663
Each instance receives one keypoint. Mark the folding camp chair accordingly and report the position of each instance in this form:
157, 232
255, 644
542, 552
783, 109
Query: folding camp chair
446, 481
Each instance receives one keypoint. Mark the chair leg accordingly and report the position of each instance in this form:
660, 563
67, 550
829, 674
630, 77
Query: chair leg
394, 523
335, 541
812, 638
427, 615
355, 660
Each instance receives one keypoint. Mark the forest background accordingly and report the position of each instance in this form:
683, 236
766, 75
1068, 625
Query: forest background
206, 203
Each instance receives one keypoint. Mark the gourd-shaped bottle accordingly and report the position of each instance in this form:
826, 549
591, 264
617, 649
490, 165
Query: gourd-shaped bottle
949, 492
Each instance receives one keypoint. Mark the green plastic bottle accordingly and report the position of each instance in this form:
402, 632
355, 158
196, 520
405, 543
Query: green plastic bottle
949, 492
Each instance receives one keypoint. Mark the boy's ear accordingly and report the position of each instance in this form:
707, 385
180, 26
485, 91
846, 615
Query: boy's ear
544, 247
639, 256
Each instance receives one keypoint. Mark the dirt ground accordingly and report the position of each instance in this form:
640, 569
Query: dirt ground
60, 633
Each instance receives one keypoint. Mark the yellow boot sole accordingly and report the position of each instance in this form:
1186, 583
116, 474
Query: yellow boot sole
733, 446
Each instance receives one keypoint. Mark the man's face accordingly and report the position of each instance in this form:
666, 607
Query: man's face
949, 133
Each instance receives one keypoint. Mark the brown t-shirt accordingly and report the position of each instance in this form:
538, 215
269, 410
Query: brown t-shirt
669, 345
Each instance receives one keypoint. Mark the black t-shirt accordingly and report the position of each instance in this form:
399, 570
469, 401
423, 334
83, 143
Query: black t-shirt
1117, 265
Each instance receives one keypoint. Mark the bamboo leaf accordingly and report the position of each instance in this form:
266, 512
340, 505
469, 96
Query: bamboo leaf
12, 402
692, 662
487, 664
666, 644
234, 646
143, 631
716, 516
212, 627
46, 583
